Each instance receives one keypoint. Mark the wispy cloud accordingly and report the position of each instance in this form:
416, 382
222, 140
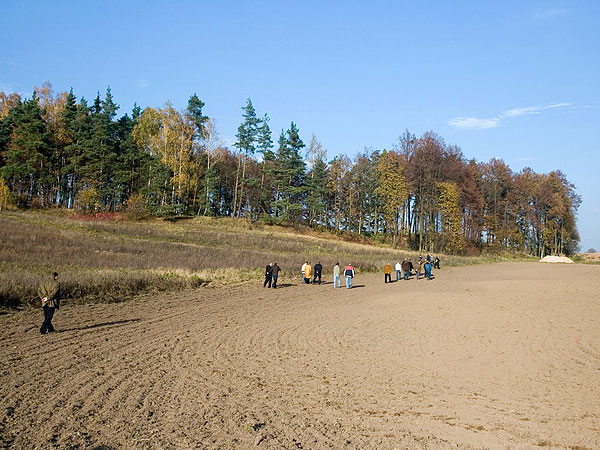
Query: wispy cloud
527, 158
9, 62
549, 13
141, 83
474, 122
526, 110
496, 121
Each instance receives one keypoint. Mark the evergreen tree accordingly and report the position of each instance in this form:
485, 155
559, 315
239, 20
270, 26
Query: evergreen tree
246, 143
28, 153
265, 146
68, 121
316, 186
290, 174
199, 120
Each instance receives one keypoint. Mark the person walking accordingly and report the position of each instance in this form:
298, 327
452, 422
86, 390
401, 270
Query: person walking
268, 275
49, 293
275, 274
418, 267
337, 282
436, 263
406, 269
427, 268
398, 271
349, 274
307, 273
318, 269
387, 270
304, 271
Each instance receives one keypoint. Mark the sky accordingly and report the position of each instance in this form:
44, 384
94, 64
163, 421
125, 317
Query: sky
519, 81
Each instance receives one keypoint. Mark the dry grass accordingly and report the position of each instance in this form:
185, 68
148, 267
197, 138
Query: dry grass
588, 258
112, 260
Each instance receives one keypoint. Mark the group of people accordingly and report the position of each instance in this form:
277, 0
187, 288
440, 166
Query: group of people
307, 271
271, 275
313, 274
405, 269
49, 291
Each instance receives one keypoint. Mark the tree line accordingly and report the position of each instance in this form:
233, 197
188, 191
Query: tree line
423, 194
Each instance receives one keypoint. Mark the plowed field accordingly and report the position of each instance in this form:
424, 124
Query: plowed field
489, 356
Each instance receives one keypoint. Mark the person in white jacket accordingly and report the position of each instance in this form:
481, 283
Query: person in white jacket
398, 271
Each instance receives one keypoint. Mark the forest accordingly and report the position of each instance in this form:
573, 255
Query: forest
57, 151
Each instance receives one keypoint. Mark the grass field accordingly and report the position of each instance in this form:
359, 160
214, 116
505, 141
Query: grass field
109, 258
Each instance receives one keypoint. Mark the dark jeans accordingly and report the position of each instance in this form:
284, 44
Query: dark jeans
274, 281
317, 275
267, 280
388, 276
406, 274
398, 274
428, 271
47, 324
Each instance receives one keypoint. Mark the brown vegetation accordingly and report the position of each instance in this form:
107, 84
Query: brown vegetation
108, 258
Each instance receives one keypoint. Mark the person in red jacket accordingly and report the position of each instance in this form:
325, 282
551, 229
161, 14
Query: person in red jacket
349, 274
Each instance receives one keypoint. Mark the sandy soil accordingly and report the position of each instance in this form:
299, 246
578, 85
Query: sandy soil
492, 356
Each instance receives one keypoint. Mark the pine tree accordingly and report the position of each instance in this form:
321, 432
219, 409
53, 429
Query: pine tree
246, 143
316, 186
265, 146
194, 112
28, 153
290, 174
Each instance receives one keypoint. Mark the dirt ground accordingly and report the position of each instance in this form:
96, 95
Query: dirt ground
492, 356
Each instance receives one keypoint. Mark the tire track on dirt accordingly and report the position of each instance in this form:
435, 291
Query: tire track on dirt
410, 365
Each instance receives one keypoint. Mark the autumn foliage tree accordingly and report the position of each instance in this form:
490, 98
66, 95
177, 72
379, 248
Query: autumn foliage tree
61, 151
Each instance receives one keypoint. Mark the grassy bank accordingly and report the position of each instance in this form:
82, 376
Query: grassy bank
112, 258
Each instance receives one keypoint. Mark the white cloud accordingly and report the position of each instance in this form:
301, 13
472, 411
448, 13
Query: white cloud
525, 110
473, 122
527, 158
494, 122
550, 13
141, 83
9, 62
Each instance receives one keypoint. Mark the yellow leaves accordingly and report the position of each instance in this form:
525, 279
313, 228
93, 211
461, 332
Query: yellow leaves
392, 187
54, 107
448, 202
169, 135
88, 199
448, 198
3, 194
7, 102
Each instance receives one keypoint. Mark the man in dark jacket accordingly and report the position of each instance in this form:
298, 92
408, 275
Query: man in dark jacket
318, 269
49, 293
275, 273
268, 275
406, 268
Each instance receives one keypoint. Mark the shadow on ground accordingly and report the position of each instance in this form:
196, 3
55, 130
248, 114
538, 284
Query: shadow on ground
99, 325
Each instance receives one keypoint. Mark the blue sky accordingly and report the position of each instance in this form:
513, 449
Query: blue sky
511, 80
